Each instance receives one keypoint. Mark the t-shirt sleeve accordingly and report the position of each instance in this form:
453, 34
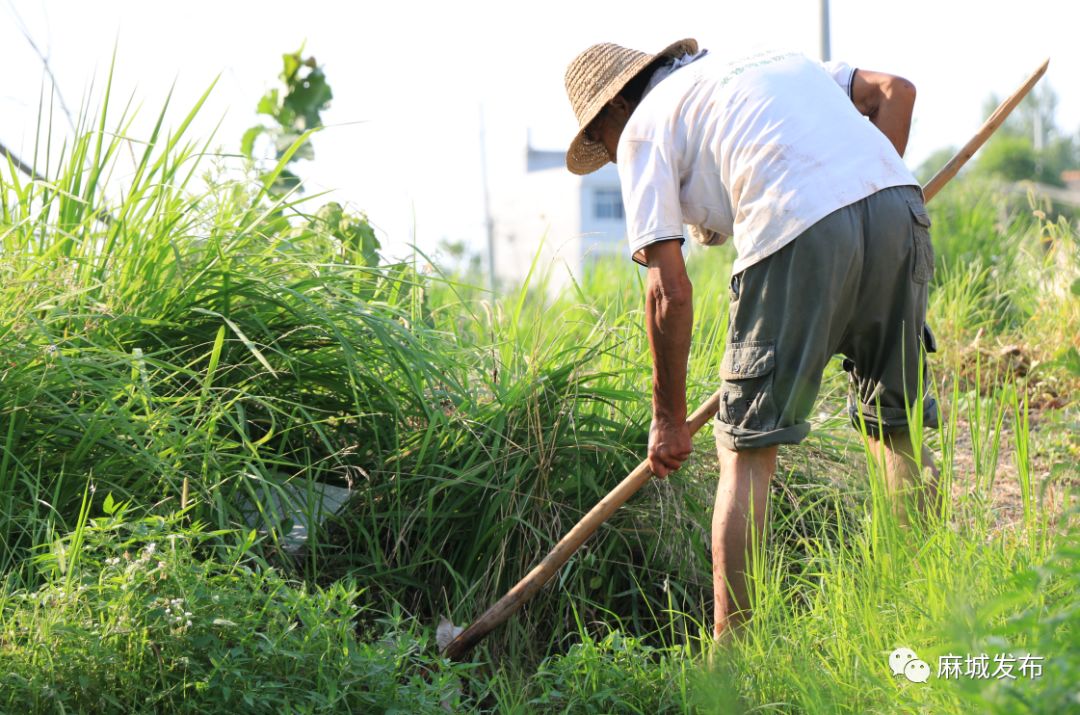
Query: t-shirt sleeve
842, 73
650, 190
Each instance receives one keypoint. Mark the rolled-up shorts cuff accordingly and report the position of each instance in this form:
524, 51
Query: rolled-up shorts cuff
885, 420
738, 438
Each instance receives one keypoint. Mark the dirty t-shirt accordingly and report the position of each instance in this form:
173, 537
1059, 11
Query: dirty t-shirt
759, 149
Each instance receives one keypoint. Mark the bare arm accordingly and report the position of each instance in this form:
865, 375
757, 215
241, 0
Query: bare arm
888, 101
669, 316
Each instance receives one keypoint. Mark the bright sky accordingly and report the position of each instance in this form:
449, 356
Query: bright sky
417, 74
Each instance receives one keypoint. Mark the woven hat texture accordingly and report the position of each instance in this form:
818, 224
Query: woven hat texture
592, 80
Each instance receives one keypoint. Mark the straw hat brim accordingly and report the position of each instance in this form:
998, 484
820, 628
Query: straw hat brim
584, 156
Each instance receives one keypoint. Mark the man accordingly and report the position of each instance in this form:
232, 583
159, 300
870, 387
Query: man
833, 256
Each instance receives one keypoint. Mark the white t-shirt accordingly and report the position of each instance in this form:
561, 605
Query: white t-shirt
759, 149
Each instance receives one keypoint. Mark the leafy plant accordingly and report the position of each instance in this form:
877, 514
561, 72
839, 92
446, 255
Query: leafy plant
614, 673
1036, 613
296, 110
140, 615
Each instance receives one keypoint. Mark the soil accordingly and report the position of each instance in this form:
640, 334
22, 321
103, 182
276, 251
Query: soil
1007, 504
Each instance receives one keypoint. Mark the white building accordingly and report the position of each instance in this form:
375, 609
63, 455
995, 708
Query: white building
563, 221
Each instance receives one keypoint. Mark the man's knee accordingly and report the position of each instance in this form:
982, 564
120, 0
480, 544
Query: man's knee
744, 468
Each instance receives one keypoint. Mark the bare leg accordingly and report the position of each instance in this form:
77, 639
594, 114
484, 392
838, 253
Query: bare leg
910, 486
744, 481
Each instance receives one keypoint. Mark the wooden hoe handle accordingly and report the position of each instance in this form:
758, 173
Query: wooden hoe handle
516, 597
989, 127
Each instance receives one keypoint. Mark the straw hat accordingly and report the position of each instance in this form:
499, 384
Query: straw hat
593, 79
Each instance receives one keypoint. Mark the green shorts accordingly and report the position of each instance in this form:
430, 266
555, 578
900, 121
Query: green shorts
855, 283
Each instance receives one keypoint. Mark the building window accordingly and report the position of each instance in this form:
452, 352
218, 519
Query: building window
607, 204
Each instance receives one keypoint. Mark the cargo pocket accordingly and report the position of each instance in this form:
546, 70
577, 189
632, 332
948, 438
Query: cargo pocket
923, 269
746, 399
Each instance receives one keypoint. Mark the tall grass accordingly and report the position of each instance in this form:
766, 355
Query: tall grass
200, 343
183, 335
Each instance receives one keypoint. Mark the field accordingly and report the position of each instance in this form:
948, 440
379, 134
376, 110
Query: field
187, 356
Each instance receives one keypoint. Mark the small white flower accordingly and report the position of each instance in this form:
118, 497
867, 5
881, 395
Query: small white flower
189, 624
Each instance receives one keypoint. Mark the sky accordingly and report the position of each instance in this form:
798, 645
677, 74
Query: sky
414, 82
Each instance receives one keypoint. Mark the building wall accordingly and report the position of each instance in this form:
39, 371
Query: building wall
569, 220
535, 216
602, 218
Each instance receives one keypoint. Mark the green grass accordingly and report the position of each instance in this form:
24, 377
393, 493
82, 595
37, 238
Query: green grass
148, 616
185, 342
208, 345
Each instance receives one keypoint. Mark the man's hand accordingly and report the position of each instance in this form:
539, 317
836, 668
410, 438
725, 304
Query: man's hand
669, 446
888, 101
669, 318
